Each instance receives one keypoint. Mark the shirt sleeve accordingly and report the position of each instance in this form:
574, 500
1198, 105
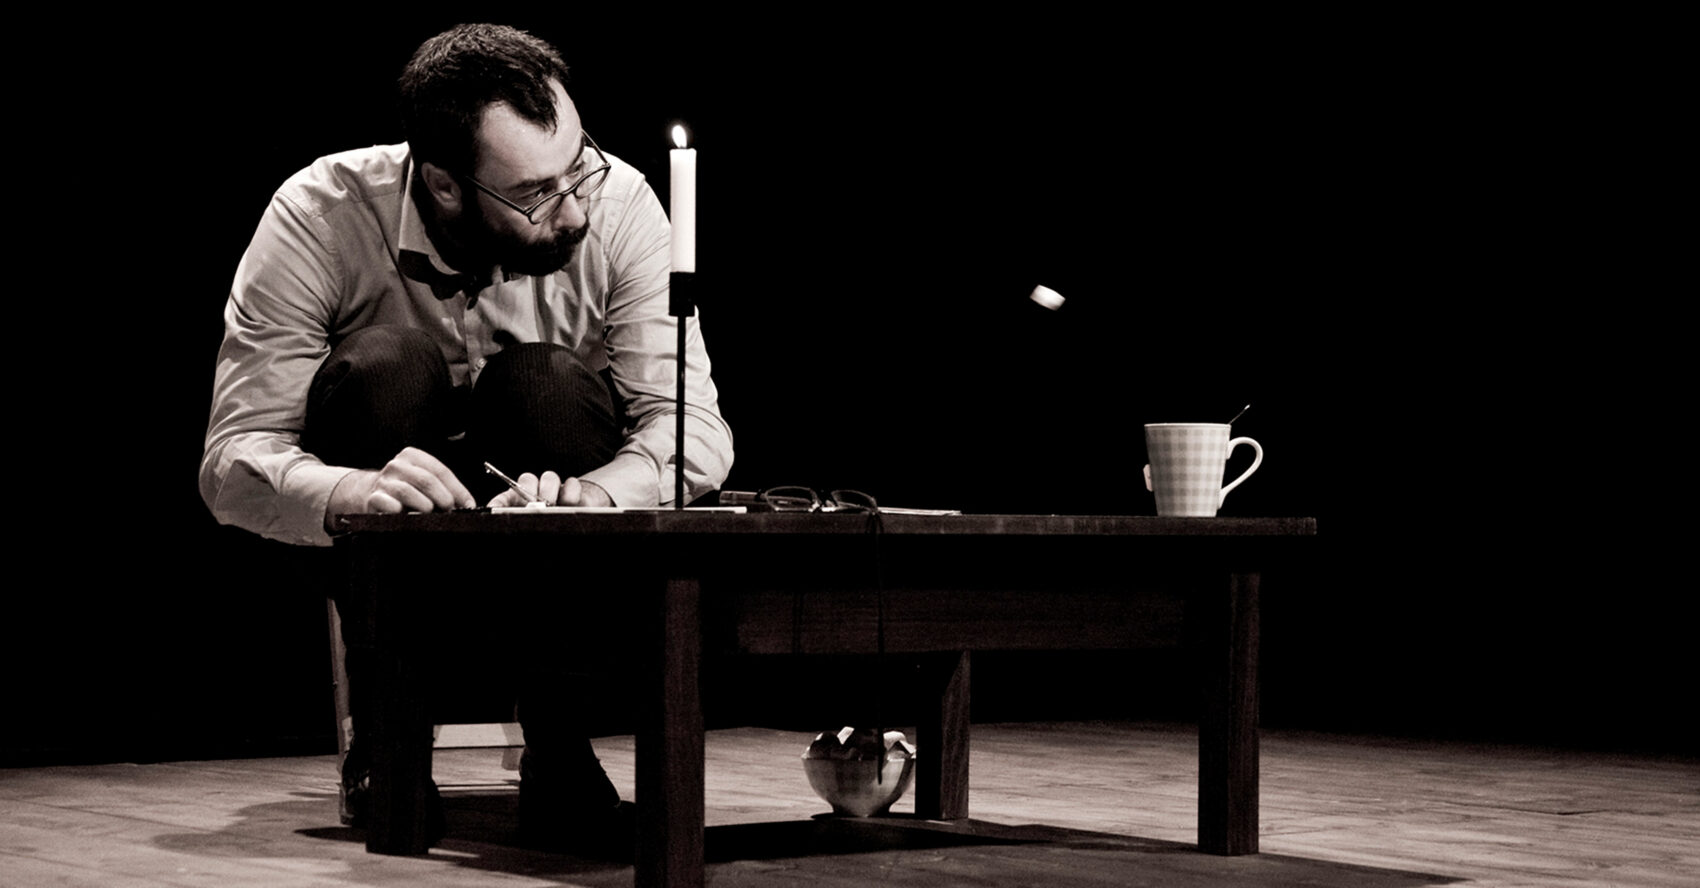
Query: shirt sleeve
642, 342
254, 473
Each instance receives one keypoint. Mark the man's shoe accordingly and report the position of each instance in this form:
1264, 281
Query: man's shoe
355, 792
577, 811
353, 789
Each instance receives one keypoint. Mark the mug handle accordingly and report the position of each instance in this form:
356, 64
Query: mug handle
1256, 461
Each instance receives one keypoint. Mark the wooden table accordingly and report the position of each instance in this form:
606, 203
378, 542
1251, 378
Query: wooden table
932, 587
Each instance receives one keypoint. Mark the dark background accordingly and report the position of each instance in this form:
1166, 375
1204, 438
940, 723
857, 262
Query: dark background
1410, 249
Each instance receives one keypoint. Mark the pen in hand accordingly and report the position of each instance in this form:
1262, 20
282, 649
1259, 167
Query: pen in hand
514, 485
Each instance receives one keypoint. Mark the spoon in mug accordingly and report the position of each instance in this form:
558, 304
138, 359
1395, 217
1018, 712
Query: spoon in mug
1239, 414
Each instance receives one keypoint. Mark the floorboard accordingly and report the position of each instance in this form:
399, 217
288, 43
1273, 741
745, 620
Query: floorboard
1054, 804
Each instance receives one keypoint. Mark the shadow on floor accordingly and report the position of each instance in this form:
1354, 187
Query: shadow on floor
894, 851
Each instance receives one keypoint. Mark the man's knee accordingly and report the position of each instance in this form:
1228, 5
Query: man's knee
381, 389
536, 406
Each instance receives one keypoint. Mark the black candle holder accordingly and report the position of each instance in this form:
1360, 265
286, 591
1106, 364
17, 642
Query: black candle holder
681, 304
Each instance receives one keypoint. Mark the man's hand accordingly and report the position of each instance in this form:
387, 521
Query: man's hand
414, 481
552, 490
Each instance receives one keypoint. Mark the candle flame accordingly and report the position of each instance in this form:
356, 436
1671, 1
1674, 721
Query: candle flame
678, 135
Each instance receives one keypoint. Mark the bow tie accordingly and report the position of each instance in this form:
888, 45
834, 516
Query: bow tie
443, 286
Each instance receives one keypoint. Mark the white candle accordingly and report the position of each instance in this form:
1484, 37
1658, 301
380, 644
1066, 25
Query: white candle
683, 166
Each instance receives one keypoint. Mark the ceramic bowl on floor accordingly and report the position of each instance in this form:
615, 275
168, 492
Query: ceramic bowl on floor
850, 773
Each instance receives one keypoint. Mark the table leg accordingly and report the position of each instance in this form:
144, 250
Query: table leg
1227, 735
397, 737
670, 745
941, 741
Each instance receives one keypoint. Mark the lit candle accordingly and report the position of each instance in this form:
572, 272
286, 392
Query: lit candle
683, 166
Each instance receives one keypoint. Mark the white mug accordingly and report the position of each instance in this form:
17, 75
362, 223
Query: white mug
1188, 460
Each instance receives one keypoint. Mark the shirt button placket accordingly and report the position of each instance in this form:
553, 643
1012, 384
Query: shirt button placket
472, 336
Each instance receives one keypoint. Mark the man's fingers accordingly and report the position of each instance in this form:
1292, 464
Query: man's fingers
382, 503
415, 487
549, 488
410, 489
583, 493
447, 492
531, 484
419, 482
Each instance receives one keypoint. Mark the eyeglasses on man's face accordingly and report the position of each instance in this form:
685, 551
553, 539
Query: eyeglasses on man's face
593, 167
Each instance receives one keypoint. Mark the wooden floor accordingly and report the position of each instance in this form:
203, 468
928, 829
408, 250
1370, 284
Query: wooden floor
1075, 804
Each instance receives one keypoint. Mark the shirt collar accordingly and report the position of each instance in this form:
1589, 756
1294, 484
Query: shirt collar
419, 258
414, 238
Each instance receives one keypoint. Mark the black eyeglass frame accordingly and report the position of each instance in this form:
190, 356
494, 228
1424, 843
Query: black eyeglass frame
600, 174
805, 499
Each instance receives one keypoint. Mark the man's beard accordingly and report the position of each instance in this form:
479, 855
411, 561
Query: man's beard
488, 245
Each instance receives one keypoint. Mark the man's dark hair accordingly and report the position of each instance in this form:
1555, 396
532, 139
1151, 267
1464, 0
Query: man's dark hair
453, 76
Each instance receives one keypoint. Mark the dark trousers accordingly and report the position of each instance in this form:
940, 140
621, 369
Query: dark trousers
535, 407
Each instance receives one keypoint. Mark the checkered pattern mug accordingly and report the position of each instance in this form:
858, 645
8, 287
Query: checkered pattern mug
1188, 460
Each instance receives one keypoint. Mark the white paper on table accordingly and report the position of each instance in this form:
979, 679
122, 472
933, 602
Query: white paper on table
607, 510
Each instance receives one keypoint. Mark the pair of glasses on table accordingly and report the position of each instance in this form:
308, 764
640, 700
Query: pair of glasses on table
801, 499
